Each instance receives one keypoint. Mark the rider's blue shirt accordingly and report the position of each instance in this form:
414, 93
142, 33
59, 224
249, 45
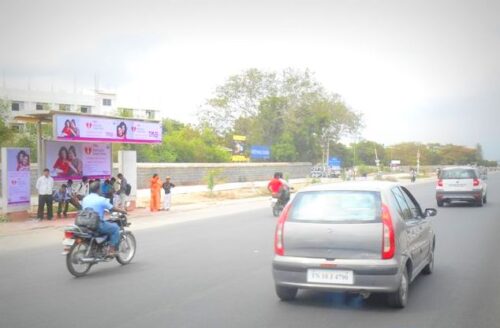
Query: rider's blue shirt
97, 203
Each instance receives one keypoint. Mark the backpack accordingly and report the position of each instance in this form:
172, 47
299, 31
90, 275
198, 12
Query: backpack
128, 189
88, 218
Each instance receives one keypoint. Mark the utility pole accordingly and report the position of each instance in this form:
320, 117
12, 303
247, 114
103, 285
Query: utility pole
418, 160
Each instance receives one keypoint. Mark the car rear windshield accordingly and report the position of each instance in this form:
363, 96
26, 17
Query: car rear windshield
458, 174
336, 206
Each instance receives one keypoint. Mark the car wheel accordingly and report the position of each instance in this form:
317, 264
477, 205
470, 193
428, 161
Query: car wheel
399, 298
485, 199
480, 203
286, 293
429, 268
440, 203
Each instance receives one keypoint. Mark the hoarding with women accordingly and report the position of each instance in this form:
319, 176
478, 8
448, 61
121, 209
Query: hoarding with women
73, 160
105, 129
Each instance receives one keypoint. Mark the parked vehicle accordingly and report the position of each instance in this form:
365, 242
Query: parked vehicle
358, 237
461, 184
83, 247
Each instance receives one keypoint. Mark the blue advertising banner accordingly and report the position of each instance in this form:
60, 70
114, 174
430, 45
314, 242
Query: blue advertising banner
260, 152
334, 163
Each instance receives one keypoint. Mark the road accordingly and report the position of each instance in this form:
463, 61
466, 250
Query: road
217, 273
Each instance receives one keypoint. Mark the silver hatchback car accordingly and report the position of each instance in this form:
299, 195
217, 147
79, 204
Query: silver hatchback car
359, 237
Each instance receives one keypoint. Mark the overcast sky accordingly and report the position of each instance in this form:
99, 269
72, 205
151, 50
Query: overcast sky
423, 70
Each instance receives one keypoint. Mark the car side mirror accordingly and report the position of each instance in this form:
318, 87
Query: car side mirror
430, 212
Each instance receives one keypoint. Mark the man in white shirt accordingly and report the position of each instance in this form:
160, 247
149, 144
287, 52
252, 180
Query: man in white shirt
82, 189
44, 185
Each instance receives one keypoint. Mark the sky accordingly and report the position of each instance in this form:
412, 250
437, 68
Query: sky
424, 71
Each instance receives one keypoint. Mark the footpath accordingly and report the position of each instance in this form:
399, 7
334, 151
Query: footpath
188, 203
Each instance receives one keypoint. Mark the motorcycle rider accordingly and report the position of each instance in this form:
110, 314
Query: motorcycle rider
98, 203
279, 188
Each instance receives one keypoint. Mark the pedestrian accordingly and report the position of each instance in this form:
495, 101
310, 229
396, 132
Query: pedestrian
83, 188
44, 185
155, 186
122, 196
167, 186
116, 188
106, 190
62, 197
74, 197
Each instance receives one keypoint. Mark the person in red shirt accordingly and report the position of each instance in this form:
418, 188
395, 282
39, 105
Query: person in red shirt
274, 186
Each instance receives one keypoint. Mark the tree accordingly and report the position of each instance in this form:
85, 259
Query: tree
6, 132
288, 111
241, 95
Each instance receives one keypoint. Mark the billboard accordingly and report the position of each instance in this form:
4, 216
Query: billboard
335, 163
73, 160
260, 152
239, 149
18, 179
93, 128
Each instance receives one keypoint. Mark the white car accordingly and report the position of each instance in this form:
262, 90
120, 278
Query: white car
465, 184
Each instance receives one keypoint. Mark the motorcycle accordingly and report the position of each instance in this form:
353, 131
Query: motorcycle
277, 206
83, 247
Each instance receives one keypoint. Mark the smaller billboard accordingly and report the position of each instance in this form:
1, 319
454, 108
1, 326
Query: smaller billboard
260, 152
18, 176
239, 149
335, 163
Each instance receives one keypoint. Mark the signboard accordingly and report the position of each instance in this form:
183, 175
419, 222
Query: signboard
16, 177
73, 160
70, 127
239, 148
260, 152
335, 163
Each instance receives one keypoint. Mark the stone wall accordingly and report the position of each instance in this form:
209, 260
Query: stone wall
195, 173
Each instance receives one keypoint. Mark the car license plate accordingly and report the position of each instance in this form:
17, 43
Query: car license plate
343, 277
68, 242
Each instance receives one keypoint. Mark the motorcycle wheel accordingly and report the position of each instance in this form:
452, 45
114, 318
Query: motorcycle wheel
276, 210
126, 249
75, 267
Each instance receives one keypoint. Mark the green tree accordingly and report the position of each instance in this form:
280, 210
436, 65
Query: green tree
6, 133
288, 111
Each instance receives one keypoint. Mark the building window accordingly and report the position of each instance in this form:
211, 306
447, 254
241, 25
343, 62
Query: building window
39, 106
150, 114
64, 107
84, 109
15, 106
106, 102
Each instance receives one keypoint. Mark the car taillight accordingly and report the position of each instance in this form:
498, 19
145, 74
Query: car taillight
69, 234
279, 248
388, 243
475, 183
440, 182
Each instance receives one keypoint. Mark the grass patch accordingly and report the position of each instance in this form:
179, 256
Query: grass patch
4, 218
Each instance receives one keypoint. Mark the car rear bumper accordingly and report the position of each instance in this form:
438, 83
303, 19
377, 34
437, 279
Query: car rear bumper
372, 275
472, 195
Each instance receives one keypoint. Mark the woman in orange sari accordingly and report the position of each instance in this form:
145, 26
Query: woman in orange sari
155, 186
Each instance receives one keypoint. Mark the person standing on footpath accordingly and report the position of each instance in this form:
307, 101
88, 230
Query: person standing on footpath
44, 185
122, 192
155, 186
167, 201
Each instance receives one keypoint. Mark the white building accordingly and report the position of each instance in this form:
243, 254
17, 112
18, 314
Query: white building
95, 102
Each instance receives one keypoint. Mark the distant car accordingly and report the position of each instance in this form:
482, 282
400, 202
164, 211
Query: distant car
461, 184
359, 237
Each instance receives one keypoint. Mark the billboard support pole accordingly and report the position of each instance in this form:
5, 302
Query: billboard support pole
39, 148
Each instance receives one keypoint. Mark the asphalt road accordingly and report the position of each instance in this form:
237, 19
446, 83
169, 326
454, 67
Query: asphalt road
217, 273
